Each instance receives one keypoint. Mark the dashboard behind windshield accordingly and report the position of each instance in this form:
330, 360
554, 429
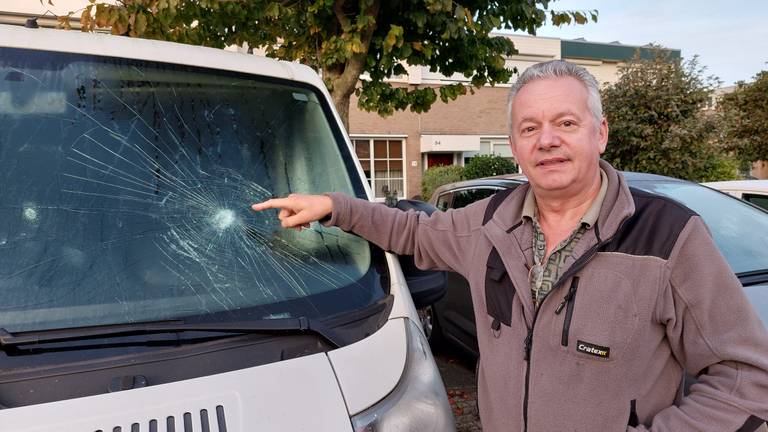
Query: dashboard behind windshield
126, 188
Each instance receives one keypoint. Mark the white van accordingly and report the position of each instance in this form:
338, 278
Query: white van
138, 291
753, 191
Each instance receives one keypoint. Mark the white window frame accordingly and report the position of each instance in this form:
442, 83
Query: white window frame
401, 194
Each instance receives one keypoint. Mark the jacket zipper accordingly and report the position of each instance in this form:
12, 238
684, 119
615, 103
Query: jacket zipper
528, 343
569, 300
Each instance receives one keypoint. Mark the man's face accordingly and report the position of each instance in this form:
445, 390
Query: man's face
555, 138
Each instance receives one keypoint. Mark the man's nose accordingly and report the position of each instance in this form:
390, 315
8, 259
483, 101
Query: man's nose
548, 138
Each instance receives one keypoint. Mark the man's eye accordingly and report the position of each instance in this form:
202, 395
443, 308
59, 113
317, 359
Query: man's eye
568, 123
528, 129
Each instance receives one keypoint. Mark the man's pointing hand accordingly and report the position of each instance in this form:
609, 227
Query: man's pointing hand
298, 210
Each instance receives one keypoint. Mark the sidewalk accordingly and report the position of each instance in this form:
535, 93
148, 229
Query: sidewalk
459, 378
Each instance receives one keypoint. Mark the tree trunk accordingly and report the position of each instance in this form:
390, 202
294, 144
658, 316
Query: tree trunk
343, 77
343, 81
341, 102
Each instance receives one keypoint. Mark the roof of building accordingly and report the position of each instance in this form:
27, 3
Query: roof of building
613, 51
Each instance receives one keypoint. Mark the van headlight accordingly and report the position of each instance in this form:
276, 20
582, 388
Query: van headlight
418, 403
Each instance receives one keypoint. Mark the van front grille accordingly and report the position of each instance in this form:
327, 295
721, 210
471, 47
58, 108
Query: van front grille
209, 422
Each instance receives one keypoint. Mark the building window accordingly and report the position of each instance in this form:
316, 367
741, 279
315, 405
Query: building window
383, 163
497, 146
491, 146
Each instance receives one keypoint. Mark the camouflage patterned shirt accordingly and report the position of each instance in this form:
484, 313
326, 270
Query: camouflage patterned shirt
544, 274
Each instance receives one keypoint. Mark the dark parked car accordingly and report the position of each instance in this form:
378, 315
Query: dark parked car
739, 229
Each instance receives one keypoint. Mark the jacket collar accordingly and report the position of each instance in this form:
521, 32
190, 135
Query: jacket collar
513, 239
617, 206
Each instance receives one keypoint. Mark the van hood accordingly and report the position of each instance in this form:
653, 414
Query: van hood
301, 394
294, 395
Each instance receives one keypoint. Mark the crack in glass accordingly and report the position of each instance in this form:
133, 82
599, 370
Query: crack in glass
127, 192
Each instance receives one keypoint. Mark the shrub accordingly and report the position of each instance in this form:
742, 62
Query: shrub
488, 165
744, 115
437, 176
656, 120
719, 168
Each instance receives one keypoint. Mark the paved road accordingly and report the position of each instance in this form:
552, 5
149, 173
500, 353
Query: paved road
458, 374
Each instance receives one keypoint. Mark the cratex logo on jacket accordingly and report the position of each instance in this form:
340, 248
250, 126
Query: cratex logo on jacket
592, 349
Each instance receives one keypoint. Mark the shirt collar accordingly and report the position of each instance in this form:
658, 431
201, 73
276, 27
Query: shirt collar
529, 205
590, 217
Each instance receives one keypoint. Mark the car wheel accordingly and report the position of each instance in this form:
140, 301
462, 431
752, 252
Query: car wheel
429, 324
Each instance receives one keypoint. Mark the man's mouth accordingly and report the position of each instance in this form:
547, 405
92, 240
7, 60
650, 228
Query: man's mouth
551, 162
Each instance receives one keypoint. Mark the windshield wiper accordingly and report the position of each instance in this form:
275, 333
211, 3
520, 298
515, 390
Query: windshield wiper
753, 277
291, 326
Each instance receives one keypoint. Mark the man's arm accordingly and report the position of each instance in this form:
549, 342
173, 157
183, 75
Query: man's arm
711, 327
439, 241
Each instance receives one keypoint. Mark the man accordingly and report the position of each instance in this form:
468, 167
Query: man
591, 299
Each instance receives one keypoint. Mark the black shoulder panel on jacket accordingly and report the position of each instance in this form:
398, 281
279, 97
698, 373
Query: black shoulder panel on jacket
494, 204
653, 229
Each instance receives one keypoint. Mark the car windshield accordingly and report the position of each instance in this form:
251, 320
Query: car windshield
737, 227
126, 188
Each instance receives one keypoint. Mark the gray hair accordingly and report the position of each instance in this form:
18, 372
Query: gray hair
558, 69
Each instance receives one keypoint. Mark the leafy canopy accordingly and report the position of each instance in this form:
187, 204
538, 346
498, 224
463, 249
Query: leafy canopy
657, 121
745, 119
346, 38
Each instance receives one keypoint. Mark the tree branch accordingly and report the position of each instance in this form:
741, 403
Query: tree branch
356, 63
338, 10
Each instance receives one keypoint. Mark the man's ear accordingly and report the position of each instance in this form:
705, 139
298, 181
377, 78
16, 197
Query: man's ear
602, 132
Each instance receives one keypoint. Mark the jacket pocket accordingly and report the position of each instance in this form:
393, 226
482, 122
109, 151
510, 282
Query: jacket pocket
568, 302
596, 318
633, 420
499, 292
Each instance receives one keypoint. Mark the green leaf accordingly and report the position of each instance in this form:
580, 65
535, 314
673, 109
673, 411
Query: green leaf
273, 10
356, 46
140, 23
421, 19
458, 13
427, 51
394, 37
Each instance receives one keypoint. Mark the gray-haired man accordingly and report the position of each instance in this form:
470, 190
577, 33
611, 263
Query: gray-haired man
591, 299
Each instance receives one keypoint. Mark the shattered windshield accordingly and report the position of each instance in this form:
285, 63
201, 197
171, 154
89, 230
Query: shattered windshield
126, 188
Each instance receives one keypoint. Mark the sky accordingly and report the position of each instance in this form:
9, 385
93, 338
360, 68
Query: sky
59, 7
730, 37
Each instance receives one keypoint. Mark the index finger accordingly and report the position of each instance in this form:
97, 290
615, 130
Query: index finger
274, 203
